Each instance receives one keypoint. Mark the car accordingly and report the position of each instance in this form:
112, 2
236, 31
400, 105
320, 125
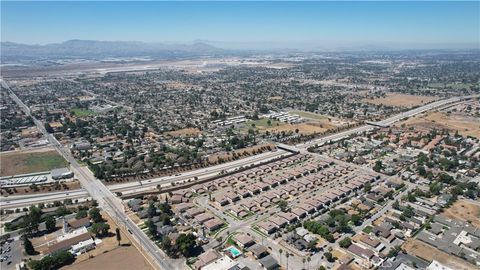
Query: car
9, 262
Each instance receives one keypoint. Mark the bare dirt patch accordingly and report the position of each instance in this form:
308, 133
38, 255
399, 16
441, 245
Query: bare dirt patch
24, 162
429, 253
401, 100
240, 153
465, 211
304, 128
185, 132
465, 125
125, 257
58, 186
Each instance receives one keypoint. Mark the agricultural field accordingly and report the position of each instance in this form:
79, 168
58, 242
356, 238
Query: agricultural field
464, 210
23, 162
466, 125
424, 251
401, 100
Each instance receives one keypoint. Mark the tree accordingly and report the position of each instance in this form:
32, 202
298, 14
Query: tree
152, 210
32, 220
119, 237
356, 220
345, 242
186, 243
329, 257
367, 187
50, 223
100, 229
27, 244
81, 214
95, 215
378, 166
282, 204
280, 251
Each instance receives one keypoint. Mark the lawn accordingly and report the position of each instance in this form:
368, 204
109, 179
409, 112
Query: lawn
82, 112
15, 163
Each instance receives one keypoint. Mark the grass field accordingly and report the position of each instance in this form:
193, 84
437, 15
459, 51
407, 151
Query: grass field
82, 112
401, 100
450, 85
21, 162
262, 124
466, 125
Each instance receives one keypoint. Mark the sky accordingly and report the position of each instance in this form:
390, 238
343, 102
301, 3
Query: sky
248, 24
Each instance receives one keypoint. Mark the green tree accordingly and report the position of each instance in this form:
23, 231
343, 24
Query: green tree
100, 229
186, 243
95, 215
81, 214
50, 223
27, 244
345, 242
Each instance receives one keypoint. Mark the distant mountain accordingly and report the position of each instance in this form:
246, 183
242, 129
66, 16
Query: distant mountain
96, 49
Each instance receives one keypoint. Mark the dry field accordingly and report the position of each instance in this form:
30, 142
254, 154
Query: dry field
23, 162
240, 153
186, 132
401, 100
70, 185
466, 125
465, 211
125, 257
429, 253
303, 128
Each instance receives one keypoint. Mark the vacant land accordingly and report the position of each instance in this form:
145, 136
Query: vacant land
79, 112
464, 210
310, 115
304, 128
429, 253
262, 124
185, 132
240, 153
464, 124
401, 100
22, 162
124, 257
45, 188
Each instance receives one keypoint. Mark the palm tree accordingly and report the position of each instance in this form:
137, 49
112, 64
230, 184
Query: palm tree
308, 260
280, 251
303, 261
287, 255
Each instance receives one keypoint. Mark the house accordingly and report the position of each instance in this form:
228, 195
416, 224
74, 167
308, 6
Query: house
213, 224
206, 258
360, 252
278, 221
290, 217
244, 240
193, 212
202, 218
83, 246
267, 227
78, 223
258, 251
269, 263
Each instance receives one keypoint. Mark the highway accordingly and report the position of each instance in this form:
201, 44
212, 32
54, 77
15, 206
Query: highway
387, 122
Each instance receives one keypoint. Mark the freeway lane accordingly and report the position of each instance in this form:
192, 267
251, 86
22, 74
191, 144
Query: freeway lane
386, 122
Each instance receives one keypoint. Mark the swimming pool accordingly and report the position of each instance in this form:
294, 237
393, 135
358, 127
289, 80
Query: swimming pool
234, 251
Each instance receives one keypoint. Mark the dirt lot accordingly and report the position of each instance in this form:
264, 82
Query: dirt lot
125, 257
240, 153
304, 128
465, 211
429, 253
466, 125
401, 100
70, 185
186, 132
23, 162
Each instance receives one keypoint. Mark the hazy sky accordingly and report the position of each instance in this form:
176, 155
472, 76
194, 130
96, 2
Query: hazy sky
290, 24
